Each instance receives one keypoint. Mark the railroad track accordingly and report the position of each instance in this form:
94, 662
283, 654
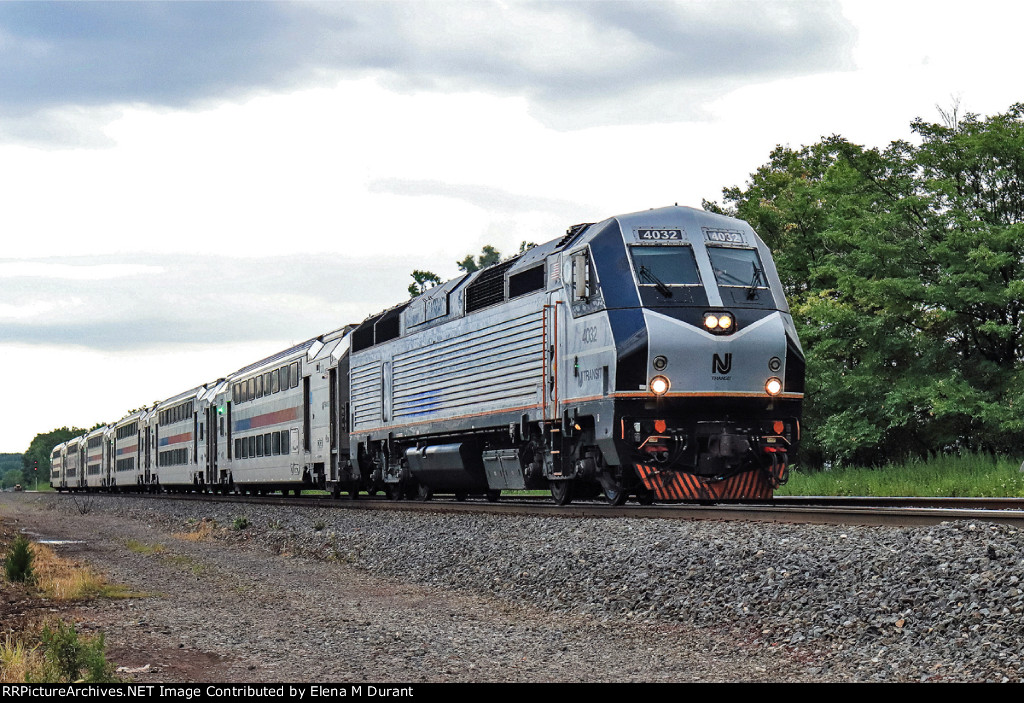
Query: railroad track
855, 510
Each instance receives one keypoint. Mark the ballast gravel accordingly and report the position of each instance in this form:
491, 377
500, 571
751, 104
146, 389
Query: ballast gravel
269, 593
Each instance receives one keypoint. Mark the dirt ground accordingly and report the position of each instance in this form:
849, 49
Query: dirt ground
228, 610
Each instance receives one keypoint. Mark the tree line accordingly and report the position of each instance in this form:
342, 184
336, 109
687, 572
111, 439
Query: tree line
904, 269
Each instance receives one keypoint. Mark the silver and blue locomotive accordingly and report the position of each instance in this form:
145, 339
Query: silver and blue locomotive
649, 355
652, 354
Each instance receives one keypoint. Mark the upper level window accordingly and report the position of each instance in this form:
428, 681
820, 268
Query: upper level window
737, 267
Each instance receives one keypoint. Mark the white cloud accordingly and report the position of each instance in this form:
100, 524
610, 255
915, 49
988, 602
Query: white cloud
74, 272
29, 311
595, 60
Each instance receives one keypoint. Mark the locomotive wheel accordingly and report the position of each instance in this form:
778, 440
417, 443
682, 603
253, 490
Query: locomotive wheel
424, 493
460, 496
561, 491
644, 497
394, 491
492, 496
616, 496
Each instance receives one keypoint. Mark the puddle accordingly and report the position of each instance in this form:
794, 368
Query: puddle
60, 541
57, 542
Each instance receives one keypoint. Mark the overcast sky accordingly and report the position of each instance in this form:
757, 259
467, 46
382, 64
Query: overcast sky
188, 187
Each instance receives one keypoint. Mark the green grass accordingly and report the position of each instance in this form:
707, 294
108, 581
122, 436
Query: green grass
144, 548
967, 476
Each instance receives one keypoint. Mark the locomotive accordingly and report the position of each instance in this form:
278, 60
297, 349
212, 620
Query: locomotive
651, 355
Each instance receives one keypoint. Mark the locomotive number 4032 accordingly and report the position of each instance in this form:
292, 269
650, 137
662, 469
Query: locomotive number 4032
659, 234
725, 236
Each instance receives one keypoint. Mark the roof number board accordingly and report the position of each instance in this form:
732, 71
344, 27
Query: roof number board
659, 235
724, 236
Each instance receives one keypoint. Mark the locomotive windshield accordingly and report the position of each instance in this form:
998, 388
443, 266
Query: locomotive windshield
737, 267
665, 266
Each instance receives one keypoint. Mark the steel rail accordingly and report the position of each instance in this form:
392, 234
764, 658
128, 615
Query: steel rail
817, 510
903, 502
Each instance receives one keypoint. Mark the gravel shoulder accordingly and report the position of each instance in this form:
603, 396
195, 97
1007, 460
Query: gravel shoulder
335, 595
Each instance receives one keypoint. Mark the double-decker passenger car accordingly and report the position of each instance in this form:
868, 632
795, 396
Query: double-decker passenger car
57, 477
130, 436
174, 428
74, 473
267, 419
97, 458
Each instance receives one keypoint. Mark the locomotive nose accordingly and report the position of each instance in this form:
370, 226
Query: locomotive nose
688, 360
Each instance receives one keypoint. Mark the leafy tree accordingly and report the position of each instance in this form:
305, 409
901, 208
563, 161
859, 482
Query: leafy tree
422, 281
905, 272
13, 477
783, 203
488, 255
10, 469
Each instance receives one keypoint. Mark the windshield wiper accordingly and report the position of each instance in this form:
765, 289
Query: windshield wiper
662, 288
758, 277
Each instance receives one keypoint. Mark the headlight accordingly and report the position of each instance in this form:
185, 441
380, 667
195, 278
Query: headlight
773, 386
659, 385
719, 323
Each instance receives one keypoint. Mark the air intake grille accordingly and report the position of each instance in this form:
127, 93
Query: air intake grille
488, 288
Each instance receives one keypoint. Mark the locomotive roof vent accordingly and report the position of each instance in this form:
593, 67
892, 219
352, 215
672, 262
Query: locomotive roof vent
488, 288
571, 233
